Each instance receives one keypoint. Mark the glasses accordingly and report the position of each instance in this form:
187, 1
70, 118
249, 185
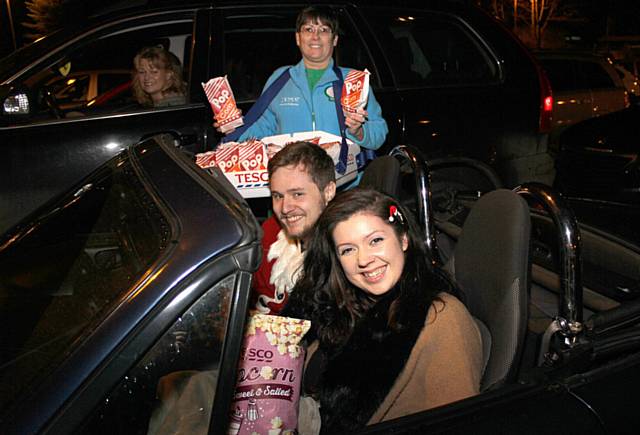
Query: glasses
320, 30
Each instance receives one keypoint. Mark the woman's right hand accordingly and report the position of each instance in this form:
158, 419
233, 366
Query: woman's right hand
217, 127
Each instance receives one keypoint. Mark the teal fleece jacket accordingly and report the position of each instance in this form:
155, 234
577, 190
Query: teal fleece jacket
295, 109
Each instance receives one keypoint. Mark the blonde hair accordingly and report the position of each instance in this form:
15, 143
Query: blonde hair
161, 59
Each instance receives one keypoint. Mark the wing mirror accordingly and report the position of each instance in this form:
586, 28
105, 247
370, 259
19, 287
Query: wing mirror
15, 101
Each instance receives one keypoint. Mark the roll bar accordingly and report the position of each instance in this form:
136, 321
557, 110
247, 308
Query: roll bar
422, 170
423, 188
569, 321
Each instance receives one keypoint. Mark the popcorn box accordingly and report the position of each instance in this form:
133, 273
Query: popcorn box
269, 376
245, 163
355, 90
223, 103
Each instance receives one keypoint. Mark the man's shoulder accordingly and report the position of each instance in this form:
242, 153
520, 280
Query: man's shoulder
270, 228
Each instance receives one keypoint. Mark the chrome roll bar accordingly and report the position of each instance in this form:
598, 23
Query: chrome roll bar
569, 321
423, 190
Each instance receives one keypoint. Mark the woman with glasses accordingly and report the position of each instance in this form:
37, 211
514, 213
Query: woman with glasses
306, 102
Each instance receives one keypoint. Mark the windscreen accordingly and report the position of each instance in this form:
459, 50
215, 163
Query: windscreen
66, 270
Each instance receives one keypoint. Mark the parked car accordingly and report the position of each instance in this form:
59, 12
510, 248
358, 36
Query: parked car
585, 85
450, 80
143, 270
598, 158
629, 80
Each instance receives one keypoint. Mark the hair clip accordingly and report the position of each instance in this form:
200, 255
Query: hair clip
394, 214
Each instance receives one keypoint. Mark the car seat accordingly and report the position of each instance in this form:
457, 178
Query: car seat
383, 174
491, 265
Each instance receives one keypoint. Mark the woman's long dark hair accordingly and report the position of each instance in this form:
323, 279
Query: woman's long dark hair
324, 294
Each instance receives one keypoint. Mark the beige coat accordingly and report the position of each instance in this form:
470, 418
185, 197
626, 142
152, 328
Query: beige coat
445, 364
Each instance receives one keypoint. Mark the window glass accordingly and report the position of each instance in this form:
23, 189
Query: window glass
256, 44
431, 50
109, 80
595, 76
351, 51
561, 74
172, 388
106, 63
70, 91
62, 277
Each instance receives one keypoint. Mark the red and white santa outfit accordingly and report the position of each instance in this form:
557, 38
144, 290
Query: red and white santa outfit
282, 259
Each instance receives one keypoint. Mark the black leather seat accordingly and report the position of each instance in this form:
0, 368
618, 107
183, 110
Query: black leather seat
383, 174
491, 265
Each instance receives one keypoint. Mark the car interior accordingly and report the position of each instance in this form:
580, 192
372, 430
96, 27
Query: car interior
505, 249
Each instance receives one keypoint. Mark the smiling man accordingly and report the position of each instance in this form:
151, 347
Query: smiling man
302, 182
306, 100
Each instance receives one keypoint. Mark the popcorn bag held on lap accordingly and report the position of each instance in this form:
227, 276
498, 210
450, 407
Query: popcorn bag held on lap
355, 90
269, 377
223, 103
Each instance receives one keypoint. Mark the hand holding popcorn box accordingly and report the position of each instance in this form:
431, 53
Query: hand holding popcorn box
223, 103
269, 376
355, 90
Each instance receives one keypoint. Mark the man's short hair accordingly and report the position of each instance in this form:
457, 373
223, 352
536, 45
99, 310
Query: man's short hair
318, 14
318, 164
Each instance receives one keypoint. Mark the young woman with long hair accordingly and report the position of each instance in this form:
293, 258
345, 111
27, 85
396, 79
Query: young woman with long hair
390, 336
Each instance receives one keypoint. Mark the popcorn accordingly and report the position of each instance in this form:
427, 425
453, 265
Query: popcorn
206, 160
276, 426
355, 90
269, 374
223, 103
244, 164
276, 422
266, 372
235, 157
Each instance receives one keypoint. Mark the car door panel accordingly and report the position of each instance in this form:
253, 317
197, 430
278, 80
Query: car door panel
522, 410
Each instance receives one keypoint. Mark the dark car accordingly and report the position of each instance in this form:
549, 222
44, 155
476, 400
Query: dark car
142, 270
449, 78
598, 158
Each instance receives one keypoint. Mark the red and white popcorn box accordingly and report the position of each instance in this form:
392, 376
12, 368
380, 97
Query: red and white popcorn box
223, 103
206, 160
355, 90
227, 156
245, 163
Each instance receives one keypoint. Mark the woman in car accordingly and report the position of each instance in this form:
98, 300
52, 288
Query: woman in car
157, 78
391, 339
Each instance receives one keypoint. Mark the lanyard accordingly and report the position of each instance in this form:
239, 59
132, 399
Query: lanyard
270, 93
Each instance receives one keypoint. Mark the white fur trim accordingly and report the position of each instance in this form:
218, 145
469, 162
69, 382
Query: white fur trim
288, 258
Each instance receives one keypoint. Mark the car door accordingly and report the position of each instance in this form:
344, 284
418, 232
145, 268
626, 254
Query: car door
607, 91
48, 150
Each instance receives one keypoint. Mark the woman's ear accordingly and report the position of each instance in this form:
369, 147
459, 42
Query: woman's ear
405, 242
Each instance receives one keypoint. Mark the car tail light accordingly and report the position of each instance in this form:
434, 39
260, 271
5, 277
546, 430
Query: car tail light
546, 101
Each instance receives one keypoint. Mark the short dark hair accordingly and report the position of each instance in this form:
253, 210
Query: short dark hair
318, 14
318, 164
